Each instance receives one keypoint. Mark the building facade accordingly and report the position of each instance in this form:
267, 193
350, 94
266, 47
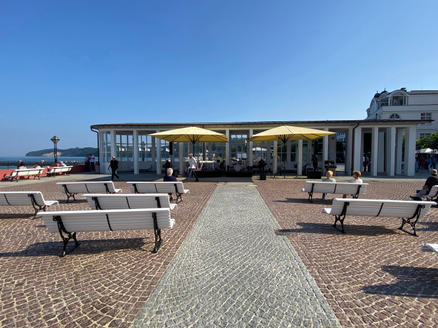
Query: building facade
407, 105
389, 145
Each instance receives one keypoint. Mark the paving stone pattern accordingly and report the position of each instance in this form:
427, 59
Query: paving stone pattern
103, 283
374, 274
234, 271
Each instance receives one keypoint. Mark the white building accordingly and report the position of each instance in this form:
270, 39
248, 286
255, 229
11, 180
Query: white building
407, 105
390, 144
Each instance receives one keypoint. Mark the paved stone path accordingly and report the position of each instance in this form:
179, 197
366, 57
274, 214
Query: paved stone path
233, 271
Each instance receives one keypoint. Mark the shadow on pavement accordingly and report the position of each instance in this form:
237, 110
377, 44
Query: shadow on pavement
17, 216
412, 282
304, 201
325, 228
431, 226
85, 247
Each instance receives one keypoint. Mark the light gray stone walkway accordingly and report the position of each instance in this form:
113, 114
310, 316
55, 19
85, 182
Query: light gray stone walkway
234, 271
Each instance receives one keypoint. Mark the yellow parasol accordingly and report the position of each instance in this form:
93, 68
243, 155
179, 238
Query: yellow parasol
285, 133
191, 134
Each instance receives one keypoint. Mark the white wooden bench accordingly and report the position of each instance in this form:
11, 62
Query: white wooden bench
430, 248
68, 223
169, 187
345, 188
26, 198
82, 187
22, 173
59, 170
408, 211
127, 201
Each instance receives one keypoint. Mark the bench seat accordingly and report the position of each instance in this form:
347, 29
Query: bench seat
345, 188
68, 223
408, 211
170, 187
26, 198
81, 187
127, 201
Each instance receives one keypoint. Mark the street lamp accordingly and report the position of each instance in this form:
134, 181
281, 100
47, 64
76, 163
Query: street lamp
55, 140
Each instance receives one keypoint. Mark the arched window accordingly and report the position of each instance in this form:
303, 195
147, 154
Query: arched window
394, 116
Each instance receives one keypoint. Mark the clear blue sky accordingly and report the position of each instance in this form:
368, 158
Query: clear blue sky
65, 65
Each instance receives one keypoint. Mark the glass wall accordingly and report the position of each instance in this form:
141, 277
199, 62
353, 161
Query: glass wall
238, 147
106, 139
124, 146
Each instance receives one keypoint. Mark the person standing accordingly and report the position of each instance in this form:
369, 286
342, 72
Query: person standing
114, 166
192, 167
92, 163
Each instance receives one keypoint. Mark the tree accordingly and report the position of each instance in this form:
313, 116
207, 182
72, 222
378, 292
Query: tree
428, 142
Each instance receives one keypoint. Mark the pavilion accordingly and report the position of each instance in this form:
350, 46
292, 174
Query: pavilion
389, 144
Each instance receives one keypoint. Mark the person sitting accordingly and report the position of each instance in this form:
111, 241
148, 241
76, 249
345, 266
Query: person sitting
328, 178
430, 182
169, 175
61, 163
22, 166
356, 177
36, 166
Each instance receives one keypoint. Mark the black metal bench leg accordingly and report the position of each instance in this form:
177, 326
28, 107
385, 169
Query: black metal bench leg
179, 197
341, 220
157, 233
310, 197
412, 224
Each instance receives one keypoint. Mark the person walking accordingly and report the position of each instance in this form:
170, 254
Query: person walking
114, 166
192, 167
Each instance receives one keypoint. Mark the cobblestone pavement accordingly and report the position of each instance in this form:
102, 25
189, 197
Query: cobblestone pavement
103, 283
374, 274
234, 271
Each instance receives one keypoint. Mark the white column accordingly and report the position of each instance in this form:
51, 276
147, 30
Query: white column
227, 148
357, 148
391, 157
374, 150
251, 155
325, 149
113, 143
135, 151
102, 154
153, 153
300, 157
399, 146
411, 143
288, 152
349, 151
158, 149
274, 162
181, 158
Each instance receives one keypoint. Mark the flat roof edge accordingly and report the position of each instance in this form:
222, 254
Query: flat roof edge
206, 124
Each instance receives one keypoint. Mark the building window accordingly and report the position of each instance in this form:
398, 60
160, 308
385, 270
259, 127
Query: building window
398, 100
424, 135
426, 116
394, 116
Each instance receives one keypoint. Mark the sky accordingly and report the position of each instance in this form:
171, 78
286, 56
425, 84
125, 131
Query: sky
65, 65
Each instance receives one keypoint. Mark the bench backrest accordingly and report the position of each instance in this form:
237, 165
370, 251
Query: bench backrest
21, 198
336, 187
107, 220
60, 169
156, 187
380, 207
88, 186
433, 192
126, 201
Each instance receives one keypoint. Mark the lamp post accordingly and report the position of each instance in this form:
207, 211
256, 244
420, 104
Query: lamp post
55, 141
